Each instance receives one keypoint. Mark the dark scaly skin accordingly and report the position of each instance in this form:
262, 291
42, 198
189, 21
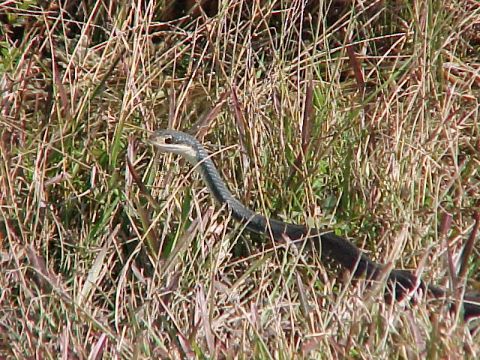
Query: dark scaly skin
400, 282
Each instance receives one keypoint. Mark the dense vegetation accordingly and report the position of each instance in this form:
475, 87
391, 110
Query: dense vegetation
353, 115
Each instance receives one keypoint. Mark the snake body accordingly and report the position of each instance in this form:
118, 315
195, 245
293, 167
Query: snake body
342, 251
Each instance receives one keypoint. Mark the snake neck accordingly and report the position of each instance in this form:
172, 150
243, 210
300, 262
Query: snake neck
253, 221
219, 190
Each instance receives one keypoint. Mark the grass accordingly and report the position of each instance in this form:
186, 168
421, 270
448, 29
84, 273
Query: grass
359, 116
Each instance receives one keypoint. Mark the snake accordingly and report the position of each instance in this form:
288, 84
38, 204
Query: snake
400, 283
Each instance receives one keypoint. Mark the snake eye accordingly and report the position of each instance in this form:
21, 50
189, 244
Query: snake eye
168, 140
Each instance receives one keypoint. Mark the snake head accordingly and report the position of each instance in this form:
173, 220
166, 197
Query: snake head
171, 141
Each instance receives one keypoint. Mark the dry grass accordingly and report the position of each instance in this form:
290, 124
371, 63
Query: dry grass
363, 117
